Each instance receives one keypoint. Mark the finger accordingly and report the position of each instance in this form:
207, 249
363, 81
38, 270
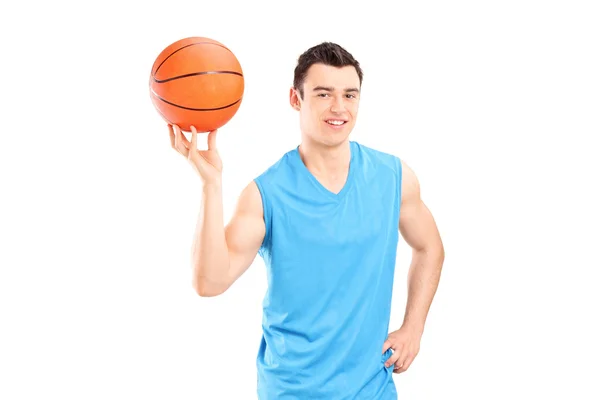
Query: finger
175, 137
386, 345
171, 135
183, 139
403, 363
212, 140
193, 154
194, 142
393, 358
402, 355
178, 141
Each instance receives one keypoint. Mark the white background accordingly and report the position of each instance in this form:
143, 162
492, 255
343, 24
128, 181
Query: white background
495, 105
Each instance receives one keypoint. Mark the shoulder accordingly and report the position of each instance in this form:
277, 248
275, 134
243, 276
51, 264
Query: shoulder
407, 178
275, 170
377, 155
411, 190
381, 160
267, 182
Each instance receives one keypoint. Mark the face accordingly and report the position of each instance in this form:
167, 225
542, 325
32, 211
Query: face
330, 105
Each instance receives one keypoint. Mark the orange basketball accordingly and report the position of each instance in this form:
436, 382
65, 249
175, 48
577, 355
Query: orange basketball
197, 81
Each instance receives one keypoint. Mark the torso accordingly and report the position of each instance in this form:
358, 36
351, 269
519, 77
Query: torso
330, 256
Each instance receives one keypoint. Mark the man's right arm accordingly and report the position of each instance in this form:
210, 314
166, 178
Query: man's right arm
221, 254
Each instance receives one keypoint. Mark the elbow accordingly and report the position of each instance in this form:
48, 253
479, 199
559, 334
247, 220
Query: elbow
437, 251
441, 256
209, 282
203, 288
433, 252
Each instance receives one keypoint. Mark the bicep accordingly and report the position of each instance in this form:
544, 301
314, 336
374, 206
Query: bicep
245, 231
417, 225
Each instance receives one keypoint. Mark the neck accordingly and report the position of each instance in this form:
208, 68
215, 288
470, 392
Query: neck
326, 161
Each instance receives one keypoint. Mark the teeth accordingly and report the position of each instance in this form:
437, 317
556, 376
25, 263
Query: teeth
335, 122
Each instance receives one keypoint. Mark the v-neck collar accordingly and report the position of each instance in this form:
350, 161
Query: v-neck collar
328, 193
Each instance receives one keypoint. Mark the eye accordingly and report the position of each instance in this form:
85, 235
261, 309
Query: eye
322, 94
351, 96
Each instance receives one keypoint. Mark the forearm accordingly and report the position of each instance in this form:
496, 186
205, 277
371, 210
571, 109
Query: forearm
423, 278
210, 256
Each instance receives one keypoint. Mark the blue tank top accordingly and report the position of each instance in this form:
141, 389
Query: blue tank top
330, 262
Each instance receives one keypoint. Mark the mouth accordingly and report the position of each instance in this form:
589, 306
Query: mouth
336, 122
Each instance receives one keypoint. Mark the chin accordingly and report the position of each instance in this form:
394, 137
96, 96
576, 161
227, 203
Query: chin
336, 135
332, 140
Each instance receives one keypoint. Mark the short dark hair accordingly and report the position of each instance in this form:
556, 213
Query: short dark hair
327, 53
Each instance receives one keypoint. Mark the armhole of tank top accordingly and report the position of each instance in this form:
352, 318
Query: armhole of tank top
266, 206
399, 181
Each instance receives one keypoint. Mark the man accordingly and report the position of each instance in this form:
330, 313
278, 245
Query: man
326, 219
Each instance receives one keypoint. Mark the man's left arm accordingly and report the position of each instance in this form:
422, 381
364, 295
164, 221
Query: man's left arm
419, 230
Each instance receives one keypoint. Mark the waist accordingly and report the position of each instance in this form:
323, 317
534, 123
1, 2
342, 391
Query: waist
329, 375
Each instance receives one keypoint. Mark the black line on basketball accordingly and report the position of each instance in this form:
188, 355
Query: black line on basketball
196, 109
196, 74
186, 46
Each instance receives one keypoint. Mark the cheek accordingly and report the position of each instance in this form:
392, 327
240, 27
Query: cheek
313, 112
321, 109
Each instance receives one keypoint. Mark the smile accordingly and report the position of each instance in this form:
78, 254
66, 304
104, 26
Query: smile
336, 122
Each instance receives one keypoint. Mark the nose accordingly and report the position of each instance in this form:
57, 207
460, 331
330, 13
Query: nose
337, 104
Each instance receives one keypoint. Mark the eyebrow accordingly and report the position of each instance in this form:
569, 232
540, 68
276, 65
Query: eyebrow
330, 89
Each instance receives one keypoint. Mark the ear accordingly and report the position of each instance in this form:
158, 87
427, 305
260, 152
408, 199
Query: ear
294, 99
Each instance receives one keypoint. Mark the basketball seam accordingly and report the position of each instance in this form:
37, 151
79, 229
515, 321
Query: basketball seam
181, 48
196, 74
162, 115
194, 109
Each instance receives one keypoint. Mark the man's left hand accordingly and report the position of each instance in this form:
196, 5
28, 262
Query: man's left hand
405, 342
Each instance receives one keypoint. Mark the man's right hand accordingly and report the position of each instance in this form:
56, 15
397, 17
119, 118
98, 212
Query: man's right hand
207, 163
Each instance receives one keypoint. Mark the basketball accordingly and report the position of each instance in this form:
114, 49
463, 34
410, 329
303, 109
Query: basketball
197, 81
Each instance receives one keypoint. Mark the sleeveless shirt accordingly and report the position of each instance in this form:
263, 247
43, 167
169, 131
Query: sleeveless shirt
330, 260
